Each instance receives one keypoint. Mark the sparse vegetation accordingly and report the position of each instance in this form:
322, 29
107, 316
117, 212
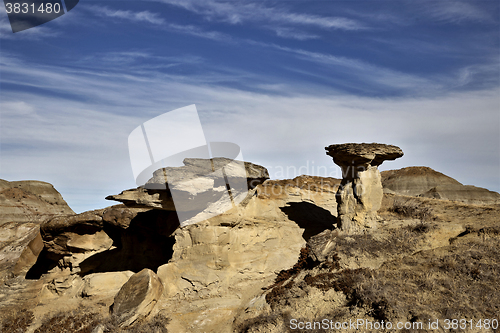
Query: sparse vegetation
17, 321
84, 321
411, 208
400, 241
455, 281
278, 288
261, 320
463, 283
78, 321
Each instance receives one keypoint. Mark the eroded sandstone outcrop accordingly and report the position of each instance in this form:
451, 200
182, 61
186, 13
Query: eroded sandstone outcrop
414, 180
463, 193
220, 271
200, 189
30, 201
116, 238
214, 268
360, 193
428, 183
23, 206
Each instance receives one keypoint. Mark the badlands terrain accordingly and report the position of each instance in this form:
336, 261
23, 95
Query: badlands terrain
292, 255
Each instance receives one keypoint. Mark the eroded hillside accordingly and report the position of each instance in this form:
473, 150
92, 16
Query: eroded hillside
273, 262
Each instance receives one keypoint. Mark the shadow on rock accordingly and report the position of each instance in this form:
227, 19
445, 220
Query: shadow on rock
145, 243
313, 219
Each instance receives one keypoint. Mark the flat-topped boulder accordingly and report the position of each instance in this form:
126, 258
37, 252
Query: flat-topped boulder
200, 189
358, 154
360, 193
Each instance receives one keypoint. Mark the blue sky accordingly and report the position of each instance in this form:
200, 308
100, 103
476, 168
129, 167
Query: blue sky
282, 79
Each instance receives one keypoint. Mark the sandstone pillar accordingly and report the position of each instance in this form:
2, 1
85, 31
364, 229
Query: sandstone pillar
360, 194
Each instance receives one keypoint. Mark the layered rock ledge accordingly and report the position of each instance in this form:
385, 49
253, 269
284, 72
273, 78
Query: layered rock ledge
360, 193
200, 189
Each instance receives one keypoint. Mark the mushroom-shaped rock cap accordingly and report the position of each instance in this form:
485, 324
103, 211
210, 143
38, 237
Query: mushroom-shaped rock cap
362, 153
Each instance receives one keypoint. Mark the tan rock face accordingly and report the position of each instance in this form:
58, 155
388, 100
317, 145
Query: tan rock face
360, 193
30, 201
212, 270
23, 206
199, 190
428, 183
137, 297
464, 193
116, 238
109, 283
414, 180
219, 265
20, 245
359, 200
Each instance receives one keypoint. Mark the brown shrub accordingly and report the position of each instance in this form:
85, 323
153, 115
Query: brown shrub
74, 321
411, 208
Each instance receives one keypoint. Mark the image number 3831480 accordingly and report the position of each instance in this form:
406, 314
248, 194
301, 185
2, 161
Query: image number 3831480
26, 14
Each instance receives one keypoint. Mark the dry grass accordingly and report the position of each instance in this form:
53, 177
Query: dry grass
77, 322
463, 283
460, 284
279, 287
84, 321
17, 321
455, 281
399, 241
260, 321
411, 208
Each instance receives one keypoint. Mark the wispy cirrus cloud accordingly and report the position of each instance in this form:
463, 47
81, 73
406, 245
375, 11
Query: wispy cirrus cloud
144, 16
199, 32
454, 11
350, 72
79, 142
294, 34
156, 20
134, 60
282, 21
243, 11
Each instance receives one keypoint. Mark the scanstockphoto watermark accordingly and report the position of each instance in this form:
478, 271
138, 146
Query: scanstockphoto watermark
430, 324
358, 324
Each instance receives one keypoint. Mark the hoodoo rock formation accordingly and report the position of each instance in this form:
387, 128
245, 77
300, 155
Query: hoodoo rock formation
360, 194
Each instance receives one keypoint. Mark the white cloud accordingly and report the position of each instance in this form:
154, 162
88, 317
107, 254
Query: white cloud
454, 11
144, 16
79, 142
285, 23
294, 34
199, 32
365, 72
